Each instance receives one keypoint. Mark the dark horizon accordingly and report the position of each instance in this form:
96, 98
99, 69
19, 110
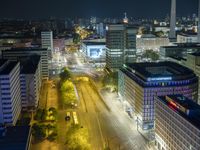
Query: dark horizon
37, 9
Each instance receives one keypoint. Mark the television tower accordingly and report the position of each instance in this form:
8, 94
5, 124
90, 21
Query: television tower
172, 33
125, 20
198, 28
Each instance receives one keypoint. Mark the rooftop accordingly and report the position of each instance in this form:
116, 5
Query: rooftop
2, 61
30, 65
158, 70
183, 106
196, 53
7, 66
26, 49
183, 45
16, 138
94, 43
148, 36
189, 34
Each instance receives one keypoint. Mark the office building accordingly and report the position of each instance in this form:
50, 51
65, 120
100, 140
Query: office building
151, 42
186, 38
100, 29
178, 50
30, 82
192, 61
121, 45
177, 123
139, 83
10, 99
47, 41
23, 53
94, 51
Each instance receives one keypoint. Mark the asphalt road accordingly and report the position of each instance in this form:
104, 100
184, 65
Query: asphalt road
113, 128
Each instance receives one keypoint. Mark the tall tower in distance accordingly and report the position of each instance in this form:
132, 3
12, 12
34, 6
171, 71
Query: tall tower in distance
125, 20
198, 29
172, 33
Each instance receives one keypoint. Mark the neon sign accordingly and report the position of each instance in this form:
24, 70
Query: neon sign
160, 79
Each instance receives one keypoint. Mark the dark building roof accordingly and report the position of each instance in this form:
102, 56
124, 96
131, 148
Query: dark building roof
188, 34
183, 45
30, 64
157, 72
184, 107
7, 66
94, 43
16, 138
2, 61
196, 53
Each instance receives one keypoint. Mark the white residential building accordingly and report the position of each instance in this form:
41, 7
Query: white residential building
10, 95
47, 41
30, 82
21, 53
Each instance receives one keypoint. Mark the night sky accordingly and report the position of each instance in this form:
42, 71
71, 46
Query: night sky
26, 9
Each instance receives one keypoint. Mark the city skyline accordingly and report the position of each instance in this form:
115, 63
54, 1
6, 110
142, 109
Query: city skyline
73, 8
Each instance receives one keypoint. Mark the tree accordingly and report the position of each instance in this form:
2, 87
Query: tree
111, 81
76, 38
68, 95
38, 114
65, 74
151, 54
44, 115
77, 138
39, 131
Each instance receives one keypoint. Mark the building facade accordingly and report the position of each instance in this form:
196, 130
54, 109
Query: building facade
94, 51
30, 83
177, 124
178, 50
139, 83
47, 41
23, 53
120, 44
151, 42
10, 98
187, 38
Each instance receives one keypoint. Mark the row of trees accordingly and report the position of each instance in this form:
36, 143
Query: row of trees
42, 131
151, 54
77, 138
68, 95
45, 126
67, 90
46, 115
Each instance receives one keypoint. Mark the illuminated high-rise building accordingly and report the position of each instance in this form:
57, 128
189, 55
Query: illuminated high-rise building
121, 45
10, 99
47, 41
177, 123
139, 83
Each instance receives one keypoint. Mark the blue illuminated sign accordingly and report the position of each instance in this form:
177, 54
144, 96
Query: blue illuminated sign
160, 79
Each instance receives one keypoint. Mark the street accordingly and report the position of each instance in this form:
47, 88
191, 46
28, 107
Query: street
107, 127
99, 111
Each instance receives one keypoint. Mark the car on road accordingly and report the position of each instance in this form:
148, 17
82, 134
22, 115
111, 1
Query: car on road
68, 116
